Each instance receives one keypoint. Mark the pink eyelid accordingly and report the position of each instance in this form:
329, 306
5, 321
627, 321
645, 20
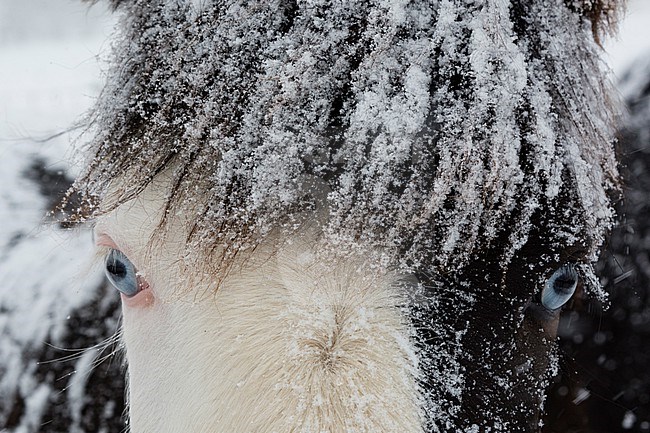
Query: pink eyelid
104, 240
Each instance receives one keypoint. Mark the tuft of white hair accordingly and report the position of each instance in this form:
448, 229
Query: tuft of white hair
289, 340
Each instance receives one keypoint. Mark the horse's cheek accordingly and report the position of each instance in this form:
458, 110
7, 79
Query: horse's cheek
148, 340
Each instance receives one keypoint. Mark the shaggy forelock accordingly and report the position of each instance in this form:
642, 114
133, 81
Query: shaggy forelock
428, 129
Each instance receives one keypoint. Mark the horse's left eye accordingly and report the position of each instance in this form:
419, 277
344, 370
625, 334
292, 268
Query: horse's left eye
121, 273
559, 287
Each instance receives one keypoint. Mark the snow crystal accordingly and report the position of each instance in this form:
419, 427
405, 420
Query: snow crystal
581, 395
628, 420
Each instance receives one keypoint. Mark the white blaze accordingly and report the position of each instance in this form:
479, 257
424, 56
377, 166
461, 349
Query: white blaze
290, 341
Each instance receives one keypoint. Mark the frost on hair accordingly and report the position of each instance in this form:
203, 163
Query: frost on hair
603, 14
427, 130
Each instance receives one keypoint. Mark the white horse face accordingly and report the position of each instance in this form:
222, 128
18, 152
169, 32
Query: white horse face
291, 339
284, 342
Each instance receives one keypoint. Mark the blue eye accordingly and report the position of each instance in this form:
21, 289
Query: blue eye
560, 287
121, 273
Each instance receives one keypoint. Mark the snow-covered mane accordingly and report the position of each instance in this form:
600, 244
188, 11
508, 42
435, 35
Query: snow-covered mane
435, 129
461, 150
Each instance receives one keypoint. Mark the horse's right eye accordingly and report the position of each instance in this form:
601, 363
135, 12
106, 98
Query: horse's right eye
559, 287
121, 273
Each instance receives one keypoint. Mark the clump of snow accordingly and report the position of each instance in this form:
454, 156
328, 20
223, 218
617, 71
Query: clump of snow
628, 420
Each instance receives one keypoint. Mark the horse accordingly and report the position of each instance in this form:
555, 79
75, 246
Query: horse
349, 216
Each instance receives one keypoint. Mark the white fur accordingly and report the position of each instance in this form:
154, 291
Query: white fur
290, 342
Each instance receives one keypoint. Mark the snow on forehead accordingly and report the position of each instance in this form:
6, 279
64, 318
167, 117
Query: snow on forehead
199, 5
432, 129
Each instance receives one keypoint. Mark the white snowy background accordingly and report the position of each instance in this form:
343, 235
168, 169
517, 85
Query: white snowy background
50, 72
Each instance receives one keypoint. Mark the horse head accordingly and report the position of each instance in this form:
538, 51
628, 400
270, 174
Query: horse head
349, 216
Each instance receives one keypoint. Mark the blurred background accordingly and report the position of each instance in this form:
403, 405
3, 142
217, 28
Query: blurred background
58, 320
57, 317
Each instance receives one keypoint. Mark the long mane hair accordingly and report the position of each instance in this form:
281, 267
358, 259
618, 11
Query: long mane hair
429, 129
